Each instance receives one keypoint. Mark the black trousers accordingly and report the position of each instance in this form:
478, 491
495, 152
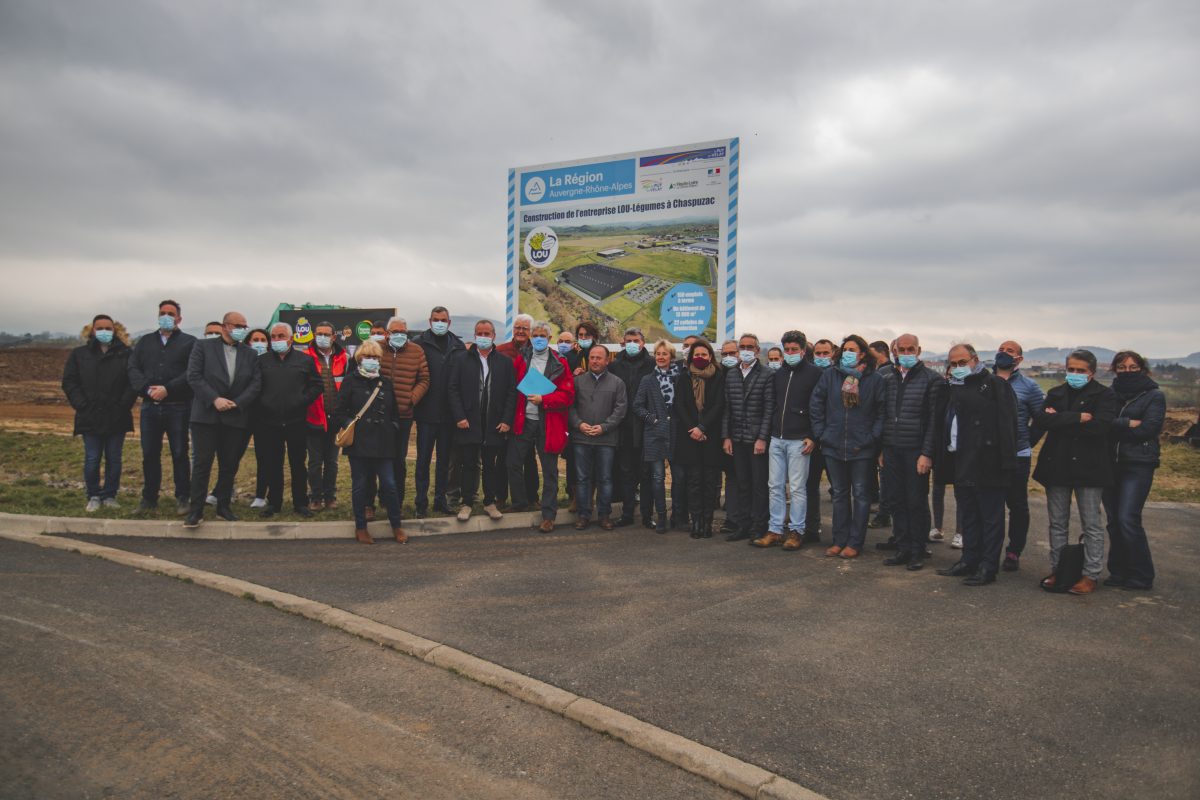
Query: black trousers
908, 499
435, 440
983, 525
227, 444
322, 465
481, 461
679, 493
635, 481
704, 486
533, 440
270, 441
1017, 500
816, 466
750, 472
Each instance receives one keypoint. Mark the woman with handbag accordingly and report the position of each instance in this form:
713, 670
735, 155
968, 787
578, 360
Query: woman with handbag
366, 421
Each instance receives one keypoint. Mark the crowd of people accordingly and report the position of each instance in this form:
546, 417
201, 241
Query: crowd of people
732, 426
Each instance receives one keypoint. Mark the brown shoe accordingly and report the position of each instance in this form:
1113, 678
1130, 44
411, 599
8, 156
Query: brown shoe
1048, 582
849, 552
582, 523
1086, 585
794, 542
547, 526
768, 539
400, 535
364, 537
330, 505
573, 507
833, 551
606, 523
370, 513
316, 505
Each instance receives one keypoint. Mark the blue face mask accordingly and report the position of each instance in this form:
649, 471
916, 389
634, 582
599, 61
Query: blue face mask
323, 342
960, 373
585, 343
729, 361
104, 337
564, 348
792, 359
397, 340
747, 356
483, 342
166, 323
821, 361
540, 343
370, 366
774, 365
907, 361
259, 347
849, 360
280, 345
239, 334
1077, 381
632, 348
439, 328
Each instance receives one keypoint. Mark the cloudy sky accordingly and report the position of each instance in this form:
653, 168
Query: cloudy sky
968, 170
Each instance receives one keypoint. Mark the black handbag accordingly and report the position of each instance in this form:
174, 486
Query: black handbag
1070, 568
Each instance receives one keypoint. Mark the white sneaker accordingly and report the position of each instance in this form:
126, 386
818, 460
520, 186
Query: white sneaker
111, 502
211, 499
492, 511
93, 504
464, 513
935, 535
956, 542
258, 502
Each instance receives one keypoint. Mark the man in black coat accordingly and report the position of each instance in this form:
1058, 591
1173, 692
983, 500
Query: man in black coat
746, 429
910, 392
290, 384
225, 379
482, 393
981, 434
435, 429
634, 479
158, 373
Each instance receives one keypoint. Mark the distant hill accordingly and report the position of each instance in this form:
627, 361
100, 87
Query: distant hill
1058, 355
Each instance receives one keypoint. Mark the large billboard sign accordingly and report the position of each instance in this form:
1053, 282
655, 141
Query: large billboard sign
646, 240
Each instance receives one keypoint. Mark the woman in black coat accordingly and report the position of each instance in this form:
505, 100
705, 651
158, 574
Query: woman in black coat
654, 405
96, 382
1134, 439
373, 452
699, 409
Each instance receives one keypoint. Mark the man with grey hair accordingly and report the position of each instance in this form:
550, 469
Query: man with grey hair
634, 475
519, 346
406, 371
746, 429
290, 384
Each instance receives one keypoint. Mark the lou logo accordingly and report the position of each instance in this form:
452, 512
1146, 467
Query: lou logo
541, 246
303, 334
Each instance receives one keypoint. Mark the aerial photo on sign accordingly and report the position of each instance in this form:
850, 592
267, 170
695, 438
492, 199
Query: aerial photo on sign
634, 241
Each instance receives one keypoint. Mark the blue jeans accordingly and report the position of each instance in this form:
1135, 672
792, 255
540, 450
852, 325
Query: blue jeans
788, 469
107, 446
850, 517
658, 483
1128, 549
594, 464
383, 471
170, 419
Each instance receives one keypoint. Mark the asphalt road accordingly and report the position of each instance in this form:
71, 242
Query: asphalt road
854, 679
118, 683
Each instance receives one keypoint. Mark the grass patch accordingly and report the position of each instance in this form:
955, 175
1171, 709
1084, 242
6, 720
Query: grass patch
669, 264
1178, 476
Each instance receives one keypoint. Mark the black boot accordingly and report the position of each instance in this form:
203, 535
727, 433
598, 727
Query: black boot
663, 527
706, 525
695, 527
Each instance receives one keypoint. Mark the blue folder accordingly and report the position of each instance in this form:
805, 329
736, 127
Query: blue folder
535, 382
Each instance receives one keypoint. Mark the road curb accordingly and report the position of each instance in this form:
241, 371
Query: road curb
254, 530
725, 770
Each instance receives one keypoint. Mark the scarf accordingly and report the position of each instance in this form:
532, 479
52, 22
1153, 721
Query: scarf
666, 382
1129, 385
850, 396
699, 376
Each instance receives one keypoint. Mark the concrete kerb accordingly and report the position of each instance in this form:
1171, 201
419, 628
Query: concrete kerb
731, 773
253, 529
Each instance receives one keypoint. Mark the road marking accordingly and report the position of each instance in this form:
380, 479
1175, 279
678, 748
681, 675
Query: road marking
47, 629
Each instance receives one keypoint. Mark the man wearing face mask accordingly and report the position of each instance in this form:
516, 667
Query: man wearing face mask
911, 394
290, 385
405, 369
213, 330
680, 513
158, 372
746, 430
729, 360
792, 443
519, 345
226, 379
331, 362
1030, 400
631, 365
540, 424
824, 353
980, 431
435, 429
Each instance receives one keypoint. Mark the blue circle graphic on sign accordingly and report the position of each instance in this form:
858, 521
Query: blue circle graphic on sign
686, 310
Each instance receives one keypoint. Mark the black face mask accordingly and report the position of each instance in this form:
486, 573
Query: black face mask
1131, 383
1005, 360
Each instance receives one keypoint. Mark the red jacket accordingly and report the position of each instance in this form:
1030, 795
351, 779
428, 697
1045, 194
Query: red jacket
317, 415
554, 405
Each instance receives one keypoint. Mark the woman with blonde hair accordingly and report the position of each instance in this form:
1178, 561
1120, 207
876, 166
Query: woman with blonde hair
654, 404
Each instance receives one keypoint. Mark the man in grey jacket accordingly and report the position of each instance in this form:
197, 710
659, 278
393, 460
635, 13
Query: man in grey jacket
595, 420
1030, 400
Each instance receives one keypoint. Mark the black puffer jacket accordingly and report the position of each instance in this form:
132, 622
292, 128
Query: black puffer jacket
97, 386
1075, 453
749, 404
375, 431
631, 371
440, 352
792, 388
986, 408
910, 408
1139, 445
290, 384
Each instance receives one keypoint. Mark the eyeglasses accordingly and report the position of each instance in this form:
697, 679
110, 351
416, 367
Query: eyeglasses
962, 362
